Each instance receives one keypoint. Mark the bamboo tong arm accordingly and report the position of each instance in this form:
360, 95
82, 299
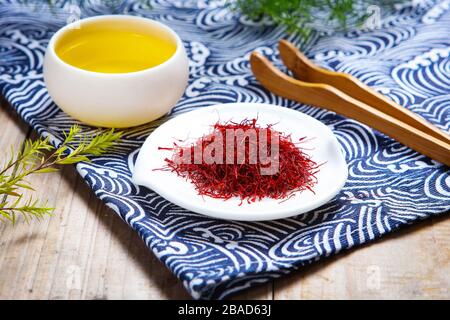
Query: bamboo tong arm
328, 97
307, 71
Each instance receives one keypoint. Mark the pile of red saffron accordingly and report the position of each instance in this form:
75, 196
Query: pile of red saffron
224, 180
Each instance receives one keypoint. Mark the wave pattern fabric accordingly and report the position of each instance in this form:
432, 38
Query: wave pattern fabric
389, 185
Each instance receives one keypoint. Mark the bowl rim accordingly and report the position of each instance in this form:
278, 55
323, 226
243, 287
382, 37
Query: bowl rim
58, 34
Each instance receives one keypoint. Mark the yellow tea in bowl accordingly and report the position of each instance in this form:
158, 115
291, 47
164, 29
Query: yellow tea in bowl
111, 48
116, 70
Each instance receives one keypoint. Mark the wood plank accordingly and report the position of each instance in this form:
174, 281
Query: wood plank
12, 132
84, 251
13, 129
412, 263
259, 292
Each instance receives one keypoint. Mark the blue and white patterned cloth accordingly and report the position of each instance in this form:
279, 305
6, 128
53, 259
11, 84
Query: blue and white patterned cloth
389, 185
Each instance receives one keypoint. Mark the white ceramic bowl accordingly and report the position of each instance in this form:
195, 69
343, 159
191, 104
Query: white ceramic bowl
117, 99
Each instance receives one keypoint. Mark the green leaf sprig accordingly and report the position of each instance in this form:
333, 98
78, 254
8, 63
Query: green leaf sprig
303, 16
40, 156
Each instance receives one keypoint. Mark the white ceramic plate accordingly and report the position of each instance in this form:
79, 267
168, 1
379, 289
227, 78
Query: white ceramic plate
193, 125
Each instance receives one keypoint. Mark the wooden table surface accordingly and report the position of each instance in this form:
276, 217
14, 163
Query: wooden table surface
84, 251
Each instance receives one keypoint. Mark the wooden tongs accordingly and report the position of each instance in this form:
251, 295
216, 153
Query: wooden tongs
346, 95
